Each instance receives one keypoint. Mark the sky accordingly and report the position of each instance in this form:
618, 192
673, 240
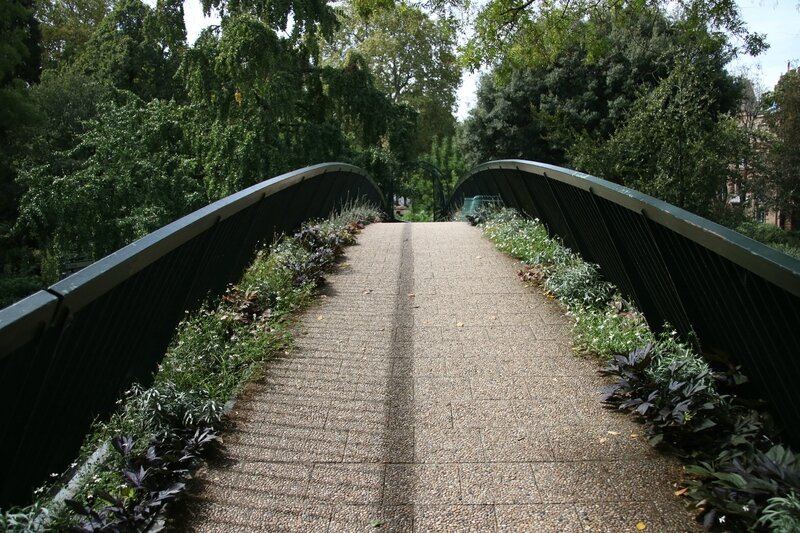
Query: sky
778, 19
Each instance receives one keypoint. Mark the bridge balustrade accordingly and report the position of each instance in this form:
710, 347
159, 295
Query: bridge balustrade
68, 352
740, 298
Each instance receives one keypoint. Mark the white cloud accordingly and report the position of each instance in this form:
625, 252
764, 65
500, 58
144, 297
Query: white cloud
780, 21
195, 20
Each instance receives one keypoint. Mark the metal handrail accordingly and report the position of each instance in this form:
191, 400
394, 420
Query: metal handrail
740, 249
739, 297
67, 352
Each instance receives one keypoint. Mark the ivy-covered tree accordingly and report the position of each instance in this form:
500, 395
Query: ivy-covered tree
633, 95
675, 145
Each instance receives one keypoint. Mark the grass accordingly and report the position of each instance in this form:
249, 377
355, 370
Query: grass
215, 350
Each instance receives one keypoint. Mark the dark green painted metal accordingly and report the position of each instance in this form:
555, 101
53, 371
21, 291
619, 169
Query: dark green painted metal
66, 354
741, 298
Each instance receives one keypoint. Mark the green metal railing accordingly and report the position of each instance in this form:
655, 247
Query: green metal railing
67, 353
741, 298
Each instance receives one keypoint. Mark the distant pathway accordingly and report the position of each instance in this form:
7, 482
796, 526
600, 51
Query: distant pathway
432, 391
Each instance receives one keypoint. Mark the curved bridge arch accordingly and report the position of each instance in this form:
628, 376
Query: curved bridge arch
740, 297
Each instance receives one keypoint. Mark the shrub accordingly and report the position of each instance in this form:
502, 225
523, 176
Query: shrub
616, 328
579, 284
525, 239
672, 390
773, 236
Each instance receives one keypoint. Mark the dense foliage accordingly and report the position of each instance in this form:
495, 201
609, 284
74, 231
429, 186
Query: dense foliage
129, 126
740, 478
112, 123
783, 119
638, 93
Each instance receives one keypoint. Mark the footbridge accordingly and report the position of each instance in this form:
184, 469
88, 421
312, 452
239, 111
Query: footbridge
429, 390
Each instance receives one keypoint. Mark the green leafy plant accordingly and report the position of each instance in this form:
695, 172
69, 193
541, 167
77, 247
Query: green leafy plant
782, 513
616, 328
661, 386
741, 489
151, 480
579, 284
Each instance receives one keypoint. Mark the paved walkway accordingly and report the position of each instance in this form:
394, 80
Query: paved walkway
432, 391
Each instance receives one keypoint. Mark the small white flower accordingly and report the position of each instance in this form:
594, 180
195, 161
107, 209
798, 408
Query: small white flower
722, 519
746, 508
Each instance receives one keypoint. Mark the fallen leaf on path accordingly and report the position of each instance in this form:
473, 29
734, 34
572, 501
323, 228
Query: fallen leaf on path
366, 291
634, 435
613, 432
460, 325
641, 526
478, 256
603, 440
681, 492
376, 522
319, 317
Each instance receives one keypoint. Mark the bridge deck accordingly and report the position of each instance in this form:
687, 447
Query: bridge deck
431, 391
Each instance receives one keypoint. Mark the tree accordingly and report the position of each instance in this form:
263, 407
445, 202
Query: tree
67, 26
516, 33
412, 57
585, 89
137, 48
629, 94
19, 68
675, 144
505, 122
134, 171
783, 119
448, 159
261, 106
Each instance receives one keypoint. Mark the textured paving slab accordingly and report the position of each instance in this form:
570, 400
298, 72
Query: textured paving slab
431, 391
